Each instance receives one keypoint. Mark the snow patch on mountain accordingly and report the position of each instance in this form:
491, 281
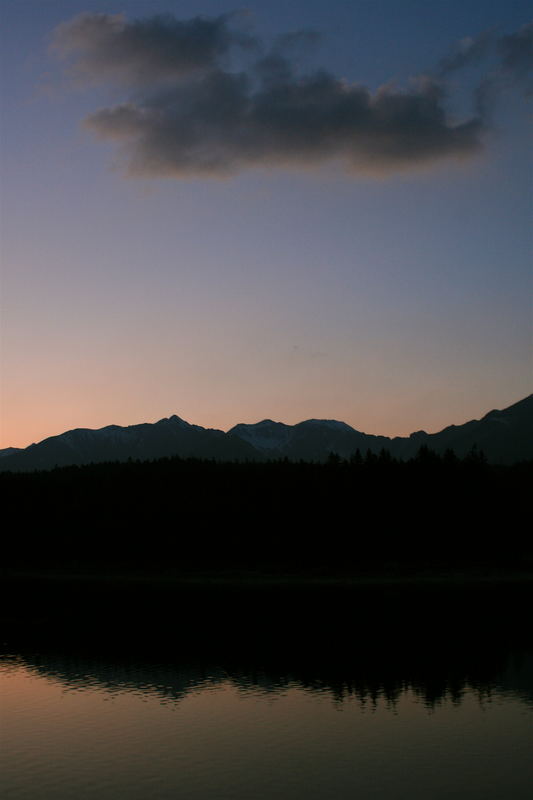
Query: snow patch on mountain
270, 435
265, 435
86, 436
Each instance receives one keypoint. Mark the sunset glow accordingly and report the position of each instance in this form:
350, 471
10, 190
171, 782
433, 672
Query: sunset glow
367, 260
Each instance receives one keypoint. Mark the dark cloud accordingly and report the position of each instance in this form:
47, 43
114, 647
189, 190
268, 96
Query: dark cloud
190, 114
516, 52
219, 124
467, 51
107, 47
510, 60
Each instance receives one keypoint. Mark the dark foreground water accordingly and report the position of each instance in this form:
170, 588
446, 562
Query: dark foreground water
78, 728
111, 691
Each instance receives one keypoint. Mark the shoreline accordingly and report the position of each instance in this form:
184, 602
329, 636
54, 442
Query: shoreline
248, 578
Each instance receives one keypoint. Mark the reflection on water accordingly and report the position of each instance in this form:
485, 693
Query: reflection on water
373, 726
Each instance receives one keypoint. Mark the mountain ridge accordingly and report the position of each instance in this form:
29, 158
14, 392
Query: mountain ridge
504, 435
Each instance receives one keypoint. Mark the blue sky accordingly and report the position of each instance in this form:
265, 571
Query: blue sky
394, 301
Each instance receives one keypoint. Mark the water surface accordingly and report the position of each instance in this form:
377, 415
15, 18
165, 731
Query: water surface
78, 727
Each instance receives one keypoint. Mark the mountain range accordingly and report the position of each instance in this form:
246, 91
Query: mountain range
505, 437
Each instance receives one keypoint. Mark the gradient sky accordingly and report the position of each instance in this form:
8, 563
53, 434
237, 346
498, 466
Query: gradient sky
395, 295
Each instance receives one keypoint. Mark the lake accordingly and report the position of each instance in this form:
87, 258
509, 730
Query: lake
368, 724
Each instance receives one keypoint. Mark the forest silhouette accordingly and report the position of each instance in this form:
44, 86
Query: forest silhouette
367, 512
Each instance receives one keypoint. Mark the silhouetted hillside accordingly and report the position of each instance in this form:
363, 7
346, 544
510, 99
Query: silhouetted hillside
505, 437
9, 451
168, 437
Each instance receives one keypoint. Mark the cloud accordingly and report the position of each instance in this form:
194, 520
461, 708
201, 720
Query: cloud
139, 53
218, 125
190, 111
467, 51
510, 60
516, 52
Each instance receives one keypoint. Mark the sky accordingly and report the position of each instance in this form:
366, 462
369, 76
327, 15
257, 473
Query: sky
284, 211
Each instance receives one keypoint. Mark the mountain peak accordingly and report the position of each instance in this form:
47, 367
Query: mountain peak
333, 424
173, 420
264, 435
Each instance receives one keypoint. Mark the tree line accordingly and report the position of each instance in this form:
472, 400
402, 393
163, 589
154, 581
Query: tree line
367, 512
